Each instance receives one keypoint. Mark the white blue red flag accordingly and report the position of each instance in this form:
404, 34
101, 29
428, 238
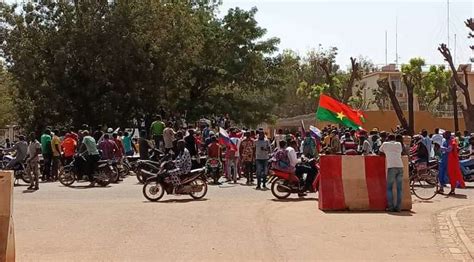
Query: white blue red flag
224, 139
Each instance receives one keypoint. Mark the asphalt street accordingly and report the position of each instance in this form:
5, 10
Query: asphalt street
233, 223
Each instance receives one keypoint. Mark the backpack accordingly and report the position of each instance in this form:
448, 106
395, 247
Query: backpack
281, 159
309, 147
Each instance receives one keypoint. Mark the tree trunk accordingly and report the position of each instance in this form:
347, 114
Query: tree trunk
454, 97
411, 113
350, 84
383, 83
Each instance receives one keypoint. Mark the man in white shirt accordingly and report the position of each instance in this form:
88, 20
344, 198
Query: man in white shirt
394, 163
300, 169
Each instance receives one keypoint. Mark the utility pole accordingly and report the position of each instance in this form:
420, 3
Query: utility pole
396, 40
448, 20
454, 57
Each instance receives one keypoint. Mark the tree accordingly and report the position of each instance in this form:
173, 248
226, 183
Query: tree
413, 81
387, 89
110, 62
330, 79
7, 110
468, 108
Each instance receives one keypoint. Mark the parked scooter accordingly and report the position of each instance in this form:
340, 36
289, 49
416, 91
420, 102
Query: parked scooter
283, 184
19, 169
193, 184
75, 171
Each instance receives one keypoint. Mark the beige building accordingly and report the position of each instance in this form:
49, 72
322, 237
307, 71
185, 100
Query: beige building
392, 72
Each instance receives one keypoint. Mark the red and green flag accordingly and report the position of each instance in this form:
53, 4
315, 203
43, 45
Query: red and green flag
334, 111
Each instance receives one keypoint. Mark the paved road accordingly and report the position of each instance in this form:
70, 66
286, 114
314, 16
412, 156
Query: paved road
235, 222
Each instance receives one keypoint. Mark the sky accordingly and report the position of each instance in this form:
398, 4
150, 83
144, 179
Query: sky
358, 27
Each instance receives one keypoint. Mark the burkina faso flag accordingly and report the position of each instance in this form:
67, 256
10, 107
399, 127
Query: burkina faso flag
334, 111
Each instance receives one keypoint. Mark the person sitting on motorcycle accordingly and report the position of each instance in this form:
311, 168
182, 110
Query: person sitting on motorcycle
466, 165
301, 168
92, 155
214, 151
182, 162
21, 149
281, 160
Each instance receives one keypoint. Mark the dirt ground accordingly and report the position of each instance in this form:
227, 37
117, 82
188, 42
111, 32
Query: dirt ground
233, 223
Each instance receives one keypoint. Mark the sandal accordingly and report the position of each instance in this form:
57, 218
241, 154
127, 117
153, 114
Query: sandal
451, 193
440, 192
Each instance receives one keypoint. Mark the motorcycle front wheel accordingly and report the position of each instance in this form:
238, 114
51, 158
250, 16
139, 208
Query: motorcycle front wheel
104, 176
153, 190
66, 177
24, 176
199, 182
277, 189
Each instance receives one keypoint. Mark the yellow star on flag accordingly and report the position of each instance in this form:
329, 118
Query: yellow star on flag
340, 115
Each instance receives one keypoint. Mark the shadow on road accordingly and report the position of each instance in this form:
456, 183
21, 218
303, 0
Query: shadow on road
300, 199
88, 187
349, 212
28, 191
458, 196
177, 201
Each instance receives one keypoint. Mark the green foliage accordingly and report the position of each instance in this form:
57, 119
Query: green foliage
436, 85
102, 62
7, 110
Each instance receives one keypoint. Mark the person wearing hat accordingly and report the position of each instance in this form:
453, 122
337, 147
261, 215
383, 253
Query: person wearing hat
21, 149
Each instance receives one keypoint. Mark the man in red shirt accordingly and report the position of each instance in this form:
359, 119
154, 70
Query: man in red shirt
69, 146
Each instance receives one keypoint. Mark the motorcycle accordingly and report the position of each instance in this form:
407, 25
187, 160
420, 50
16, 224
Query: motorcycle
213, 169
19, 169
152, 165
75, 171
467, 170
283, 184
193, 184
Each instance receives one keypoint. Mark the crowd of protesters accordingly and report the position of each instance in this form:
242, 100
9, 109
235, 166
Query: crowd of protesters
248, 151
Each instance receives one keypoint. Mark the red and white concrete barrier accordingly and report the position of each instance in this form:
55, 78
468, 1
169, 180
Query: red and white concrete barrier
357, 183
7, 235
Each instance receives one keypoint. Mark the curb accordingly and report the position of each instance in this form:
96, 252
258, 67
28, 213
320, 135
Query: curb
453, 240
460, 230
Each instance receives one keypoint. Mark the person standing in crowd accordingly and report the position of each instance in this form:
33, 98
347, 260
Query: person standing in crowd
335, 144
127, 143
247, 156
168, 137
262, 151
190, 143
449, 168
309, 146
364, 144
108, 148
144, 146
393, 156
156, 131
92, 155
279, 136
32, 162
7, 144
348, 146
120, 152
426, 141
56, 150
437, 137
21, 149
69, 146
47, 153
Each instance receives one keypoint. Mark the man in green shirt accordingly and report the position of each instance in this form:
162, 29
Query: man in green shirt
47, 153
92, 156
156, 131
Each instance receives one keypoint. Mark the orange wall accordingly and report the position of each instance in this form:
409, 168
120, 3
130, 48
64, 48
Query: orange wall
386, 120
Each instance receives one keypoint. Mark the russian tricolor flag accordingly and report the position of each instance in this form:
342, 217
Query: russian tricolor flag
224, 139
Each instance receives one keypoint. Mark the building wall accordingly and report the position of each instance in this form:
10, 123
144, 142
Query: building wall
383, 120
